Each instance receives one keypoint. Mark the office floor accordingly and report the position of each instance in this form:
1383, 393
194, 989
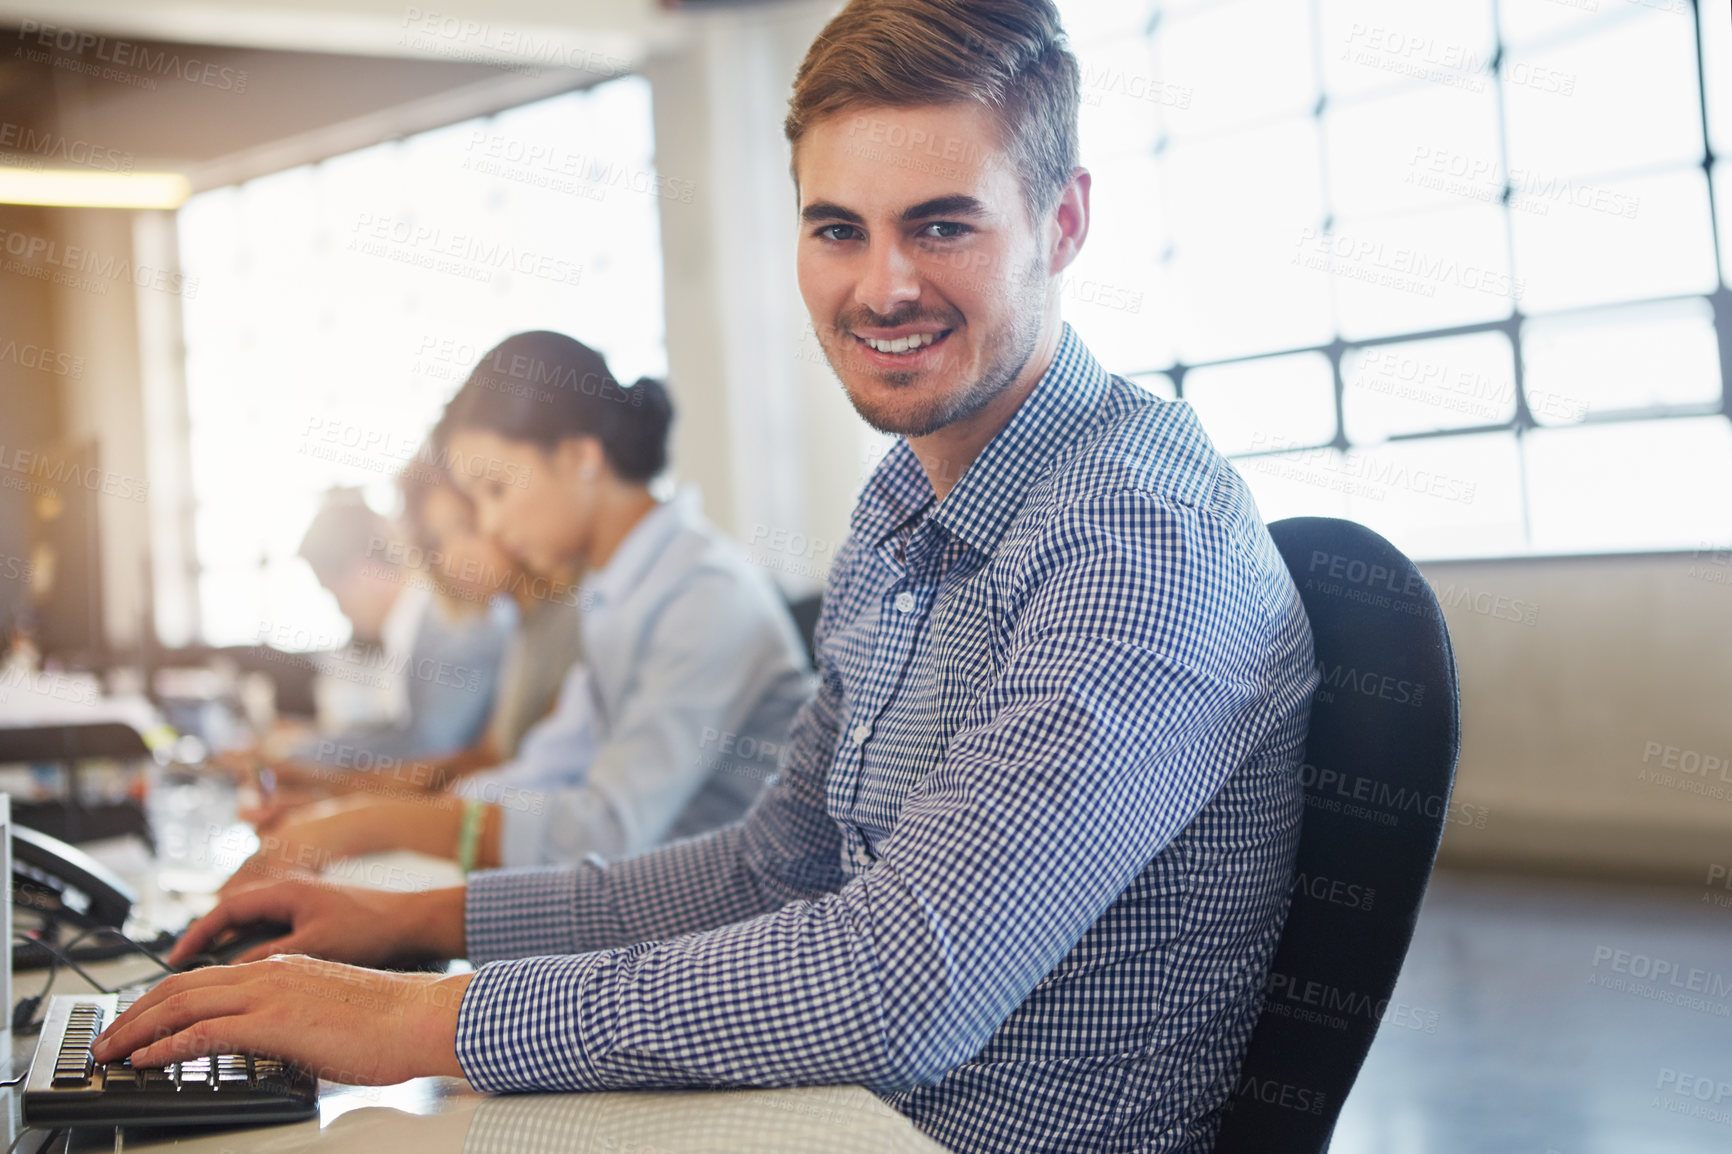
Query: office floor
1570, 1018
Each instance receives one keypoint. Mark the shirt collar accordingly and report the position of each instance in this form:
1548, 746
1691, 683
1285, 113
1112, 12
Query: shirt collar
980, 506
634, 557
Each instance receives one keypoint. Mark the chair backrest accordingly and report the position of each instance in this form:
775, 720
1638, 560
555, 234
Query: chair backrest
805, 614
1379, 765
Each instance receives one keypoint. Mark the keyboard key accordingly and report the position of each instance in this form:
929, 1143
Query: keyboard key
119, 1076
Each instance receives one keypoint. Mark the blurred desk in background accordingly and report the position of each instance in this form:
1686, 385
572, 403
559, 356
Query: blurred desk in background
62, 719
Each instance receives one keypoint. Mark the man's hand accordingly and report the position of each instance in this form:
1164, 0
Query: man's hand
368, 1027
344, 923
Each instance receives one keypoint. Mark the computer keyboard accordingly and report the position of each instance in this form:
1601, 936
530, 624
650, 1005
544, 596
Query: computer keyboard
66, 1086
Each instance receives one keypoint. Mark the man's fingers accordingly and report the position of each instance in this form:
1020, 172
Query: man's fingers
283, 945
170, 1007
222, 1035
248, 902
198, 935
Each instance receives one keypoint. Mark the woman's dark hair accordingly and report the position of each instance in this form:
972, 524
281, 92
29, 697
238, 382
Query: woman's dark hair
545, 388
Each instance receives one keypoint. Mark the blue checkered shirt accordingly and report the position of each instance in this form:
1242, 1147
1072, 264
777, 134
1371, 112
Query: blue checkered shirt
1024, 867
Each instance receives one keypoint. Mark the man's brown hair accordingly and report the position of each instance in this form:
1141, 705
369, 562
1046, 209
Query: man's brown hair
1009, 55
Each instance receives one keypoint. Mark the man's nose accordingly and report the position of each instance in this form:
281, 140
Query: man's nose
891, 279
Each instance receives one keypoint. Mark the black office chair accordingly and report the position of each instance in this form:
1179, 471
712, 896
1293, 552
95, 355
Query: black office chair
1379, 765
805, 614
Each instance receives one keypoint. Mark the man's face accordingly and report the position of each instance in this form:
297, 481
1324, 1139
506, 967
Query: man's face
926, 281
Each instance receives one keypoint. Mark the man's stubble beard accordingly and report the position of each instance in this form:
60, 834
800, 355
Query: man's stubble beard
1015, 344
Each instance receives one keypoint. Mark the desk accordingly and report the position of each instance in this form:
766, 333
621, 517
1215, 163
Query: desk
440, 1115
39, 723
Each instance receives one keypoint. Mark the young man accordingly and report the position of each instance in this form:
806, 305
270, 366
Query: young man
1026, 864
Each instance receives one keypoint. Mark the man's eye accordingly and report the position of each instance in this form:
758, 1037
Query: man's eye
837, 232
945, 229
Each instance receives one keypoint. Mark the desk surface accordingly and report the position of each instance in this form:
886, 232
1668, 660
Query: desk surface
439, 1115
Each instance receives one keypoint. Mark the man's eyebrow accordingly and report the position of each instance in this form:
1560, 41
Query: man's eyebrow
956, 205
824, 210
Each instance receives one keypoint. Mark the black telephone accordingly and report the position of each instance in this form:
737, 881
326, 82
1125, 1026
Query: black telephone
63, 883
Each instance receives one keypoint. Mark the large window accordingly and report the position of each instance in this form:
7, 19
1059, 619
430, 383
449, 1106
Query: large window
1446, 269
340, 305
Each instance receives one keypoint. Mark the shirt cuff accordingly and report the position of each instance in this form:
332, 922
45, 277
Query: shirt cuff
520, 1025
520, 913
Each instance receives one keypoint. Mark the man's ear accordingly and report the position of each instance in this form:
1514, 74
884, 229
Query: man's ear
1070, 221
579, 459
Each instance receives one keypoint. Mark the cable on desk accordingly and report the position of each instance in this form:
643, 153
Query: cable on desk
162, 964
30, 955
24, 1020
24, 1013
60, 955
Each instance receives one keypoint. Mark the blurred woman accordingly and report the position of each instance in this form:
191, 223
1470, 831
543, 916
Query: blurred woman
469, 577
692, 670
547, 640
427, 652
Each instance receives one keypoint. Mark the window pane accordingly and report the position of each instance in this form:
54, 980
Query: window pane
341, 304
1371, 44
1159, 384
1413, 273
1613, 240
1116, 292
1446, 497
232, 605
1309, 483
1723, 203
1450, 497
1089, 23
1620, 99
1123, 105
1641, 485
1427, 147
1255, 406
1421, 386
1244, 60
1620, 359
1234, 223
1716, 32
1525, 21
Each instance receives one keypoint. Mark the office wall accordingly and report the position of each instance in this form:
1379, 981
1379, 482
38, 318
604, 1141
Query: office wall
32, 378
764, 427
1598, 738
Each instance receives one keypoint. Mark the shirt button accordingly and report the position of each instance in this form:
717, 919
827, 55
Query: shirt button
860, 733
905, 603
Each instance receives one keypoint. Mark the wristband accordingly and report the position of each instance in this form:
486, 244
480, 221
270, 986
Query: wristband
469, 834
